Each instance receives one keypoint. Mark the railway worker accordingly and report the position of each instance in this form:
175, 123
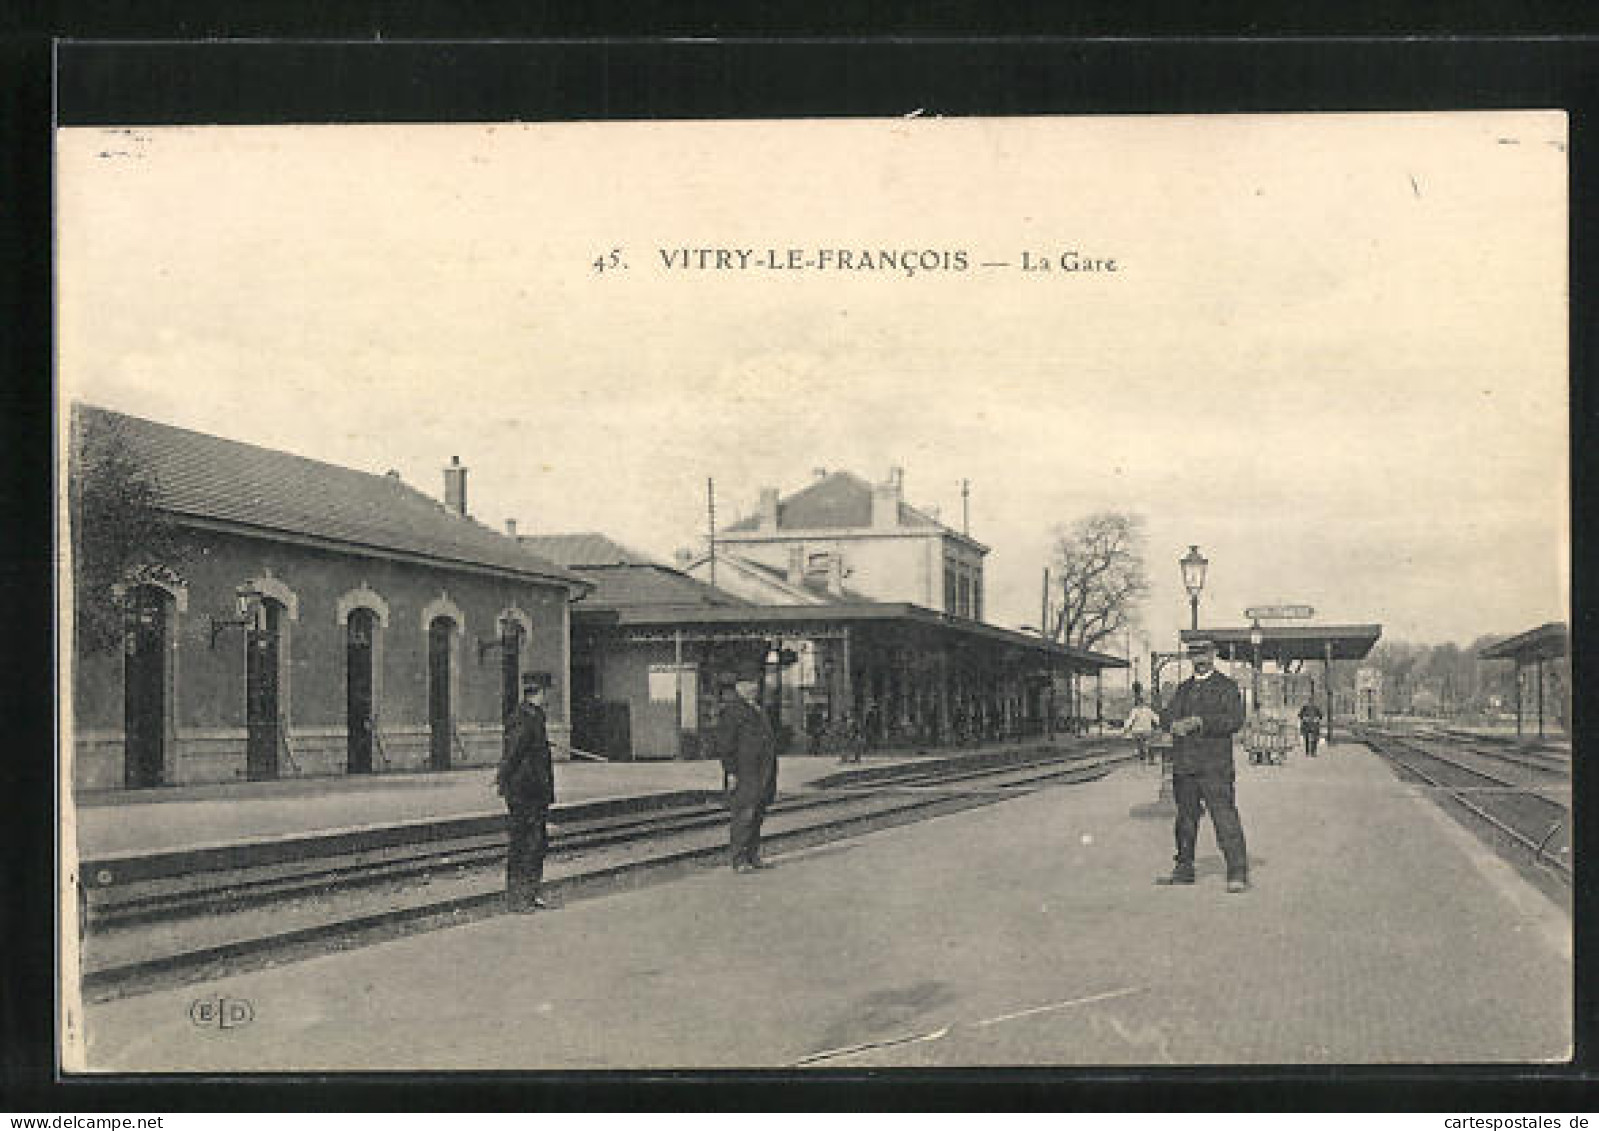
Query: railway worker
1141, 723
1203, 715
526, 780
1310, 726
748, 750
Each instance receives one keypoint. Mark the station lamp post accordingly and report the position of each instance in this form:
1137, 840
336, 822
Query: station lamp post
1257, 637
1193, 565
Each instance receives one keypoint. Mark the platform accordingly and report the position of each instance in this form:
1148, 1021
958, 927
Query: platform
1026, 932
124, 821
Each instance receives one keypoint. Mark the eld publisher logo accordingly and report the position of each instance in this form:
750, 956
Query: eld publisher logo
221, 1012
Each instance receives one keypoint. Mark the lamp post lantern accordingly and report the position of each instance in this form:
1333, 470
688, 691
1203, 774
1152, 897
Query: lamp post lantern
1193, 565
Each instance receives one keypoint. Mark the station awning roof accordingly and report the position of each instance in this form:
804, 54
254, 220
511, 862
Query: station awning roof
1545, 642
1285, 643
799, 619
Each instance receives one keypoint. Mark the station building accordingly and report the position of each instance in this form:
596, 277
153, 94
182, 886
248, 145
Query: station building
314, 620
650, 640
842, 536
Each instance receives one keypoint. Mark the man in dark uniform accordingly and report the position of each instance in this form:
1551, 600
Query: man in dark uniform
748, 750
1203, 715
526, 780
1310, 726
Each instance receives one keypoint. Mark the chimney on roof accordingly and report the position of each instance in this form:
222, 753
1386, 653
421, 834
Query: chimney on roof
510, 528
886, 498
796, 565
767, 519
684, 557
819, 472
392, 474
455, 486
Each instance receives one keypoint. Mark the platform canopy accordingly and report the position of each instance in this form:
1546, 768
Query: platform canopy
1287, 643
1546, 642
706, 623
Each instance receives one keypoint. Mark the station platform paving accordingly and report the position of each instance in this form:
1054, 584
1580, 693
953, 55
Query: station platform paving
1026, 932
113, 822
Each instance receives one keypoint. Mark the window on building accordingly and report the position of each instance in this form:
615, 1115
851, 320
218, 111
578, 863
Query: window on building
950, 585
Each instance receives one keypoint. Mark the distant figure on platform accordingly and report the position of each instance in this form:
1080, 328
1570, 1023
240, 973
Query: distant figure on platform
1203, 715
526, 780
1141, 723
748, 750
1310, 726
815, 728
851, 740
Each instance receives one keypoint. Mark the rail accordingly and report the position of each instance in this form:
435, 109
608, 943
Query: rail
1521, 811
164, 925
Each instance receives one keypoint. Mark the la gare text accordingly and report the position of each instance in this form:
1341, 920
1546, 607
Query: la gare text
907, 261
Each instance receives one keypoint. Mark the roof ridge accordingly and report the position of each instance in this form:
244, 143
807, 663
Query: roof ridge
278, 452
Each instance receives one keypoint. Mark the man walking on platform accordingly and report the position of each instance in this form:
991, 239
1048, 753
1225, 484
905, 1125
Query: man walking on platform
1310, 727
526, 780
748, 750
1203, 715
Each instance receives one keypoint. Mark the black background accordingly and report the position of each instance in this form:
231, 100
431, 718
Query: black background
123, 64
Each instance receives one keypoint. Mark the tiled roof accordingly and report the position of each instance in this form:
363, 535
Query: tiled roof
841, 500
573, 550
207, 477
633, 586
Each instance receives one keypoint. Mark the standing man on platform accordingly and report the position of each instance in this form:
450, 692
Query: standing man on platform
526, 780
748, 750
1203, 715
1310, 726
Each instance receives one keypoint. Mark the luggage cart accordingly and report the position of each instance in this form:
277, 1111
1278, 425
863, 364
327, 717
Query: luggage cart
1266, 738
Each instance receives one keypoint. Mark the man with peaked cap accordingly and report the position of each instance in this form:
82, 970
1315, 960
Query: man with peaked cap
1203, 715
526, 780
748, 750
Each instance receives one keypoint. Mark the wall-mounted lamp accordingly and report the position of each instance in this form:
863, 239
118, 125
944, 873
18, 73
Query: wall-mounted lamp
508, 642
247, 600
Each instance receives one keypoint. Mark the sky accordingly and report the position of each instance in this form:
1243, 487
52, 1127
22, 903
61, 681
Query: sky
1332, 353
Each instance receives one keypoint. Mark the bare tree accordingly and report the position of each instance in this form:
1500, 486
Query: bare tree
1097, 578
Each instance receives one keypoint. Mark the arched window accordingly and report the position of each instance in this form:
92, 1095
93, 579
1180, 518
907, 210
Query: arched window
146, 685
360, 645
266, 659
442, 632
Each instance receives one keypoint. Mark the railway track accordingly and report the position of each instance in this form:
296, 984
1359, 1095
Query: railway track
1544, 758
1532, 812
166, 925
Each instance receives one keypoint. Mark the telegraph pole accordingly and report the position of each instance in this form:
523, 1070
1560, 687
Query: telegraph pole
710, 514
966, 512
1043, 608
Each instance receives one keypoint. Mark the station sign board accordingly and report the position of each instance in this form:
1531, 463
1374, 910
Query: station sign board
1279, 612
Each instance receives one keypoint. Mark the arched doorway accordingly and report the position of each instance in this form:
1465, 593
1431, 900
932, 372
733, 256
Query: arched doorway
441, 632
360, 633
144, 703
263, 715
